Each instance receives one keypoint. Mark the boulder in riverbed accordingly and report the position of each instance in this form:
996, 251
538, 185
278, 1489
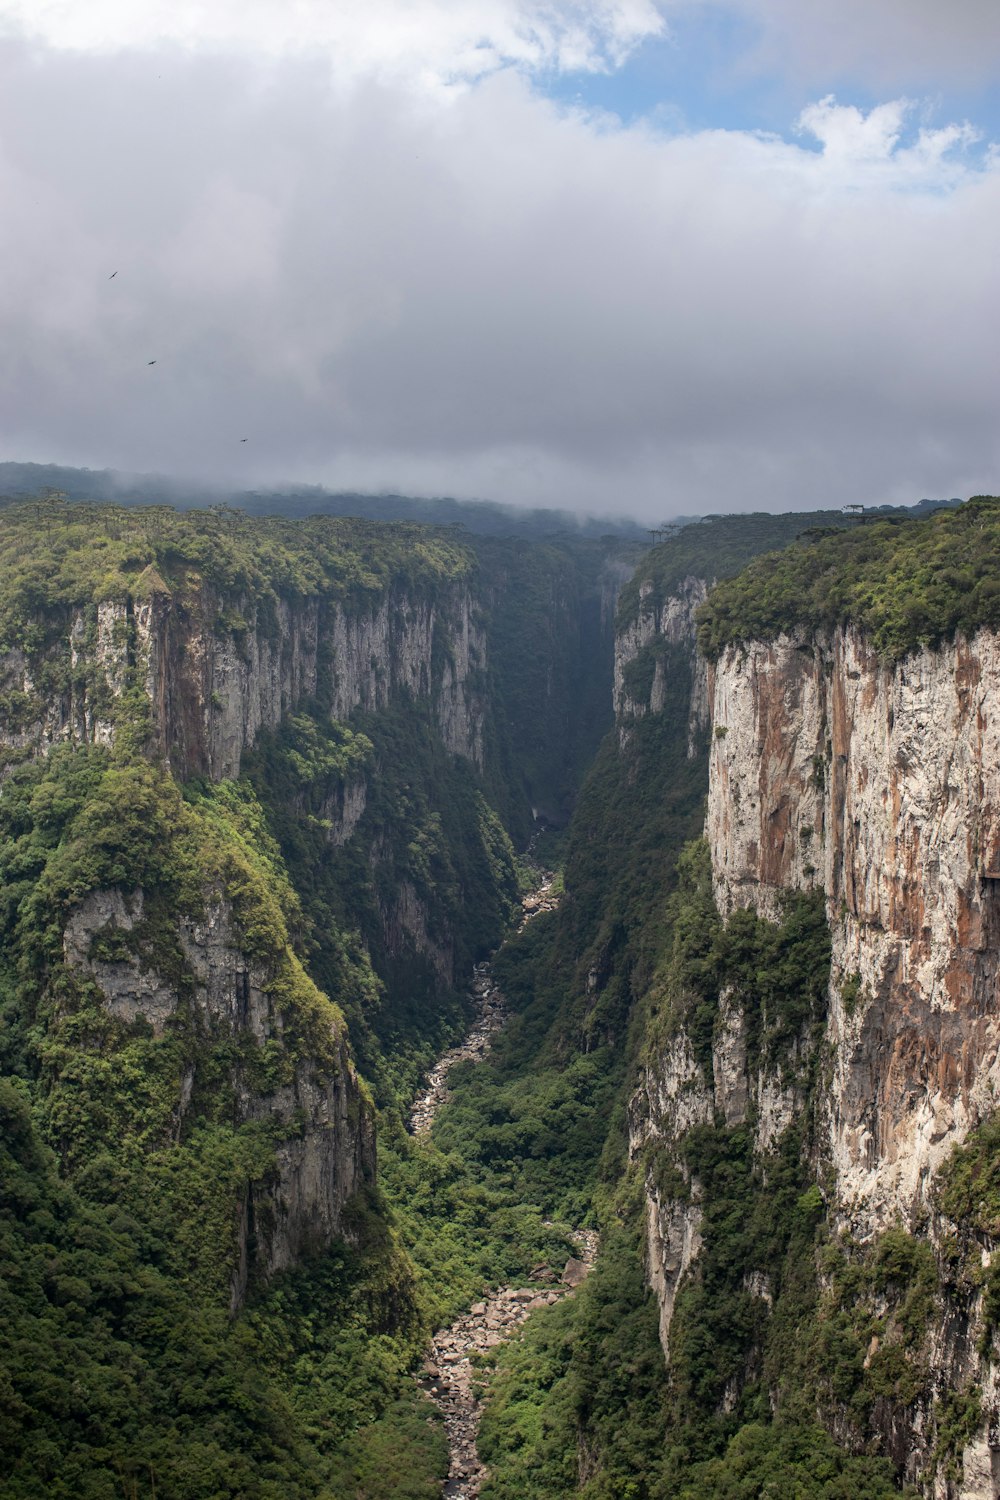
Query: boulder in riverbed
575, 1272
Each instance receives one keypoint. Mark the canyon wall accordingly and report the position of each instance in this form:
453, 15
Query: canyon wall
641, 657
190, 675
316, 1113
881, 785
873, 787
215, 670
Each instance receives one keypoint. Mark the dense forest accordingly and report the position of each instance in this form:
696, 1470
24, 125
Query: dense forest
904, 587
205, 978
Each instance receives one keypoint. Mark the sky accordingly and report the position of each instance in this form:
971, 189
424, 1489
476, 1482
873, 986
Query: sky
654, 257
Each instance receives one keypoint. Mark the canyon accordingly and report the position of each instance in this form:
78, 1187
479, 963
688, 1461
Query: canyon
723, 1089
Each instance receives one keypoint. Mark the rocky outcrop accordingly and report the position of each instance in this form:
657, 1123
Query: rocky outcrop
345, 808
677, 1094
216, 670
324, 1139
452, 1379
406, 930
651, 632
673, 1240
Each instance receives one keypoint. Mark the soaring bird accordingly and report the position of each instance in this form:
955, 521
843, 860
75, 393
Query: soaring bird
242, 440
151, 361
113, 275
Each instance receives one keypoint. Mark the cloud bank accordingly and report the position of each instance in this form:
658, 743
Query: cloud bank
378, 283
917, 43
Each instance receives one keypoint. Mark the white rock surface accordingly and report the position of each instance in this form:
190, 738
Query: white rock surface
880, 784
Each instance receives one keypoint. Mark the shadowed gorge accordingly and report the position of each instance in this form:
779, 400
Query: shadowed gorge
276, 797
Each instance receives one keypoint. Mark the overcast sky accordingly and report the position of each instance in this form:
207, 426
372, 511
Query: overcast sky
608, 254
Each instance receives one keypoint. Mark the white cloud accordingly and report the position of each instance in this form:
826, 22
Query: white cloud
429, 41
861, 147
496, 297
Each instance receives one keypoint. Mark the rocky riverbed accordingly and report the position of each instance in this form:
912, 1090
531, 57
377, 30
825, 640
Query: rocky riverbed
490, 1014
448, 1375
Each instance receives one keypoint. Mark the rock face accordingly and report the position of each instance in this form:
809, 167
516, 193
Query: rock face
328, 1149
216, 671
673, 626
202, 672
876, 785
880, 784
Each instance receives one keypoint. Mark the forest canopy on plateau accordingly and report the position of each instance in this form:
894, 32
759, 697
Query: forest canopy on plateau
906, 584
53, 554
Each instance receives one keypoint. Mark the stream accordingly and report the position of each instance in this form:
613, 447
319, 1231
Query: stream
448, 1375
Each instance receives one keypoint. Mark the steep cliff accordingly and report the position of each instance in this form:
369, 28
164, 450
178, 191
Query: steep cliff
852, 785
179, 640
159, 1011
625, 982
223, 626
875, 783
659, 602
148, 936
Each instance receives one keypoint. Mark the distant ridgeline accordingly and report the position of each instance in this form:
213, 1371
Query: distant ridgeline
481, 517
261, 785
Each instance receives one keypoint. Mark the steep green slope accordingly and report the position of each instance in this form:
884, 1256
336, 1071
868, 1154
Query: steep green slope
427, 830
204, 1295
123, 1365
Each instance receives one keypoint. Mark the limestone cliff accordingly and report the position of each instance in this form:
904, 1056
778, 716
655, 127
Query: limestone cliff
216, 668
179, 640
870, 786
642, 652
880, 784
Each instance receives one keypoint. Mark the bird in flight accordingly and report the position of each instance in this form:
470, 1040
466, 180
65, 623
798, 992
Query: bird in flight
113, 275
151, 361
242, 440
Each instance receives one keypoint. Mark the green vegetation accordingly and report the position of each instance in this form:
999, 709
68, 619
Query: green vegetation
968, 1192
712, 549
118, 1231
776, 972
422, 889
362, 870
582, 1395
55, 556
906, 585
363, 856
121, 1377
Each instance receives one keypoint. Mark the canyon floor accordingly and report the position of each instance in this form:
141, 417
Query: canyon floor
449, 1374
